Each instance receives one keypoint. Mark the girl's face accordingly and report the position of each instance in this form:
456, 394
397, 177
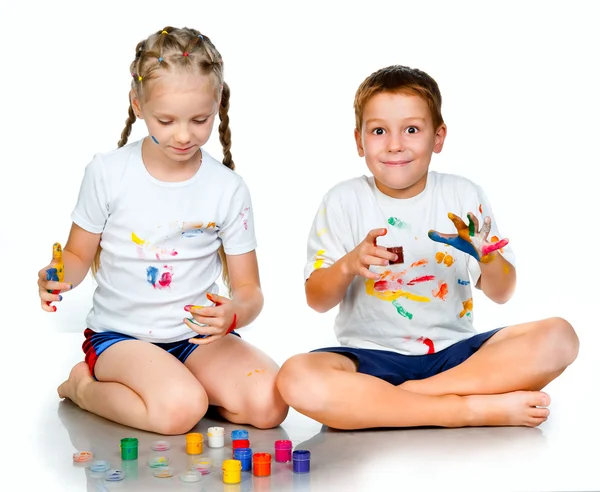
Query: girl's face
179, 110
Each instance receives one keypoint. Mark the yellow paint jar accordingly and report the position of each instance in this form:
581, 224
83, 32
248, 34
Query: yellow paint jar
232, 471
193, 443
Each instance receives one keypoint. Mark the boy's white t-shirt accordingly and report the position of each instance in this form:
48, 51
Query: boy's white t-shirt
160, 240
423, 305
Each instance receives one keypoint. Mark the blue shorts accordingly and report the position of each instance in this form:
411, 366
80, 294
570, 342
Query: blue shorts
96, 343
397, 368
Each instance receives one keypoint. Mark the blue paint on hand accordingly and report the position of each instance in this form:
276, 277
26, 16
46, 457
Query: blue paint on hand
455, 241
52, 274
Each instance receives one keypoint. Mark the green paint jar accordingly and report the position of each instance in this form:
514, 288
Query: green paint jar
129, 449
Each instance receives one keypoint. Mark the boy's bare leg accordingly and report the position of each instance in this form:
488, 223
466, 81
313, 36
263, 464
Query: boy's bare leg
520, 357
327, 388
240, 380
139, 385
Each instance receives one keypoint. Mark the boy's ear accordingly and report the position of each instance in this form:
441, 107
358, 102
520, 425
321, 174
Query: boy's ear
440, 137
135, 104
359, 144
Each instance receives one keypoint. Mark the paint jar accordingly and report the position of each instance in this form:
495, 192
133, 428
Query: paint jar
301, 461
129, 448
193, 443
239, 443
245, 456
239, 434
232, 471
283, 451
262, 464
216, 437
203, 465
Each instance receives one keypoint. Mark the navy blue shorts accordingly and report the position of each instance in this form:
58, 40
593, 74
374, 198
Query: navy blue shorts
397, 368
96, 343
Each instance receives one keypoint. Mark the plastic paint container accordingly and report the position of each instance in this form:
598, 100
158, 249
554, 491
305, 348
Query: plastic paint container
301, 461
160, 446
232, 471
239, 434
193, 443
216, 437
129, 448
203, 465
190, 476
239, 443
114, 475
245, 456
83, 457
261, 464
163, 472
283, 451
158, 461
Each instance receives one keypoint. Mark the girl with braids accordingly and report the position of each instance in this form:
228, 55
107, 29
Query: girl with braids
158, 221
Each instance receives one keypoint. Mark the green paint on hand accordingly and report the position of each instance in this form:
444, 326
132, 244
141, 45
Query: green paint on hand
401, 310
471, 227
396, 222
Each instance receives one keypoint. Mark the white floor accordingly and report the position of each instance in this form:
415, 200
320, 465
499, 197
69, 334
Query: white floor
43, 433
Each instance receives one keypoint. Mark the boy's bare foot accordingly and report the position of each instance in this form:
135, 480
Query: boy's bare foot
516, 408
79, 378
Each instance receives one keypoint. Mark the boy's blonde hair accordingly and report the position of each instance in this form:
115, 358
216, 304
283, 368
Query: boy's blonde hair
400, 80
179, 49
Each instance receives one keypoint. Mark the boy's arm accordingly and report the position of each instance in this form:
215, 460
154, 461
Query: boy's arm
326, 288
498, 279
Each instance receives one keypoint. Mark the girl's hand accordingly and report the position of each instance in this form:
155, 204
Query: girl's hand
367, 253
219, 320
51, 280
470, 239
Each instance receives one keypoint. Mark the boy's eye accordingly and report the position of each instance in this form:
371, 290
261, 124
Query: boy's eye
412, 129
378, 131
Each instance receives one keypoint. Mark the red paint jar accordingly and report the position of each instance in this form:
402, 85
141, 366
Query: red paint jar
239, 443
261, 464
283, 451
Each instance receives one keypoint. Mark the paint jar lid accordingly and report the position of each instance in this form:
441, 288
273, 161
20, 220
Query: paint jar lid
160, 446
240, 453
301, 455
129, 442
203, 465
232, 465
262, 458
190, 476
114, 475
158, 461
216, 431
163, 472
194, 437
83, 456
100, 466
283, 444
239, 434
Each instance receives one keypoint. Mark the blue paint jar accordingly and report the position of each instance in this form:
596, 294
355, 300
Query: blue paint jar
239, 434
301, 461
245, 456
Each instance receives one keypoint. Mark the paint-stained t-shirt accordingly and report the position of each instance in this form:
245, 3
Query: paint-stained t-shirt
160, 240
424, 304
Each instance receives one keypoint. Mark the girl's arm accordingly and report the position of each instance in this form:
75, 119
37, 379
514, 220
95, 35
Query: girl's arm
78, 254
245, 287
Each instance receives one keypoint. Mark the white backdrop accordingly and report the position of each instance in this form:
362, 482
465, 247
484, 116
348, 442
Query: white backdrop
519, 82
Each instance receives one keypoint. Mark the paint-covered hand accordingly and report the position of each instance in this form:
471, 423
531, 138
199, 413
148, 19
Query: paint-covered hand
367, 253
213, 322
51, 280
470, 239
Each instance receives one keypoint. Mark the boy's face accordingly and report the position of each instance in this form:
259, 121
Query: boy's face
397, 140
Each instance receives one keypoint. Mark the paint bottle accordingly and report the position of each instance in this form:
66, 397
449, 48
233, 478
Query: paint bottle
129, 448
283, 451
262, 464
301, 461
232, 471
238, 444
245, 456
193, 443
239, 434
216, 437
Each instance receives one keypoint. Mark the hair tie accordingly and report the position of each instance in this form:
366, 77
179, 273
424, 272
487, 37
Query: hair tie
160, 58
185, 53
164, 32
140, 78
200, 36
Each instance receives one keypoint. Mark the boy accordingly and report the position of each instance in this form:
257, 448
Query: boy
409, 353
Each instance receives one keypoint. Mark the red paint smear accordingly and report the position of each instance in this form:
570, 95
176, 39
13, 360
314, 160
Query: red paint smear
165, 279
419, 263
442, 292
387, 285
480, 210
429, 343
424, 278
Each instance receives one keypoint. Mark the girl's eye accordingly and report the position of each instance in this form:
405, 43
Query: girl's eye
378, 131
412, 129
200, 122
164, 122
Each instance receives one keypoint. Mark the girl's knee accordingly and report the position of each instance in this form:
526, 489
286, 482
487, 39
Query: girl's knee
177, 412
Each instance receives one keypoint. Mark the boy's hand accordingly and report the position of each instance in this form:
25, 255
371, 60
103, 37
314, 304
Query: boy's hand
219, 320
470, 239
51, 280
367, 253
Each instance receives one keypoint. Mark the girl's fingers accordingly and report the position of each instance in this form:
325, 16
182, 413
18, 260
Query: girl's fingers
201, 330
205, 341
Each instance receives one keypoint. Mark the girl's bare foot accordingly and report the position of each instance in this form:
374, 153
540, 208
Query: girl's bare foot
79, 378
516, 408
